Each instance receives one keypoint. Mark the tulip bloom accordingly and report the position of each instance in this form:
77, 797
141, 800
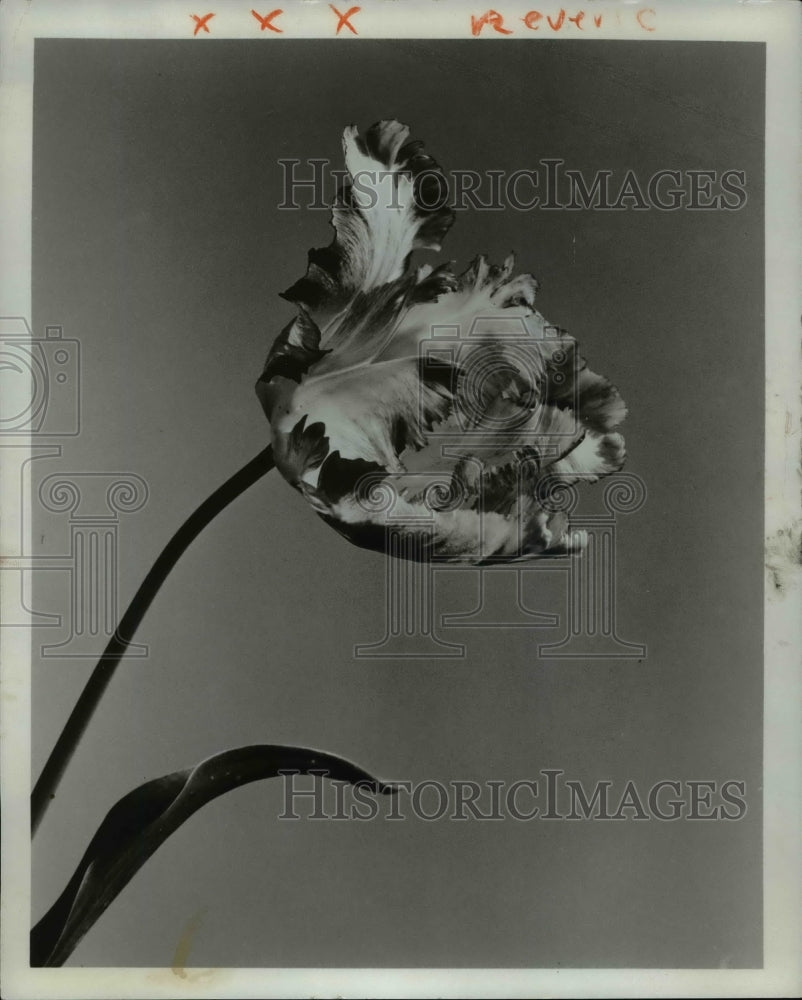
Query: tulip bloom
417, 400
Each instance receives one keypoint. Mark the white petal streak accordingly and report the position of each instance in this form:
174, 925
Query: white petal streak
467, 314
595, 456
363, 409
381, 234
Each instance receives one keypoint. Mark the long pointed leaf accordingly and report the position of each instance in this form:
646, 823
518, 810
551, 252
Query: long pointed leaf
142, 820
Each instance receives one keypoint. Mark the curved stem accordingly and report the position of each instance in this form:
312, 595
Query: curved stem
45, 788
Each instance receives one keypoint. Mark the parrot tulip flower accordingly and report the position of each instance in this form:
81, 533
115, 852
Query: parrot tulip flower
418, 400
405, 401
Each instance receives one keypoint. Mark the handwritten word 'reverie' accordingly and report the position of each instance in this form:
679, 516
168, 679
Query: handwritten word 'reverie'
534, 20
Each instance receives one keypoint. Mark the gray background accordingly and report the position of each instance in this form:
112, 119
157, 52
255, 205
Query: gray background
158, 243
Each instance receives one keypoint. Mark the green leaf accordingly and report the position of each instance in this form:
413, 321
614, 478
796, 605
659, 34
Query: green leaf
142, 820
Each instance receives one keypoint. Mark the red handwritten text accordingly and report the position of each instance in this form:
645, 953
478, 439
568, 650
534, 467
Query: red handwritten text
534, 20
491, 22
493, 18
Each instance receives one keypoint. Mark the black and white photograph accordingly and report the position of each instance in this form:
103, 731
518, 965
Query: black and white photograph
401, 499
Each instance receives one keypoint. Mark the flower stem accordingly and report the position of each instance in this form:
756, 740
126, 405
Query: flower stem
45, 788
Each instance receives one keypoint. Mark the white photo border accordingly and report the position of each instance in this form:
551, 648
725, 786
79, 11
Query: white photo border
775, 22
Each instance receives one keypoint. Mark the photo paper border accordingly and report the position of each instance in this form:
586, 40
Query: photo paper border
777, 23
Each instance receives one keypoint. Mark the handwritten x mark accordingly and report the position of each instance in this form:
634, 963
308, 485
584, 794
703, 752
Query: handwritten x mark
201, 22
265, 22
343, 21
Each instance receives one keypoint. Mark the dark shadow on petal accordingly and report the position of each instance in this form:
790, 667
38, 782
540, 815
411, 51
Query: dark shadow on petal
341, 477
307, 447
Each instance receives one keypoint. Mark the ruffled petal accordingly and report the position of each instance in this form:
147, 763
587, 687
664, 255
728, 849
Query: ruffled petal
393, 202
